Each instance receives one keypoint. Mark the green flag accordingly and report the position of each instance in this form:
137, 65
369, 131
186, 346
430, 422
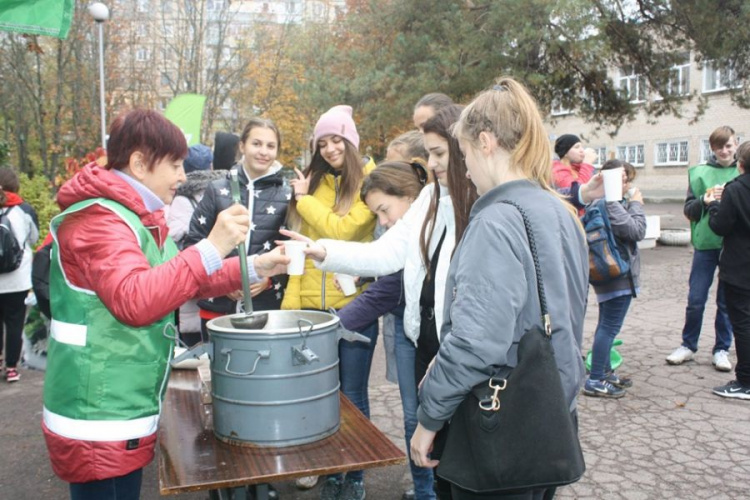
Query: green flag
37, 17
186, 111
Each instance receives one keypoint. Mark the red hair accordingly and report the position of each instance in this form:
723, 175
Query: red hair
147, 132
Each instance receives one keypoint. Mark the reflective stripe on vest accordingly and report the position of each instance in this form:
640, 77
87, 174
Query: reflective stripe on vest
100, 430
99, 370
68, 333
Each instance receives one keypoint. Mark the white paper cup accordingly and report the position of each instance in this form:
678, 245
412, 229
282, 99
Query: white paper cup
295, 251
613, 184
346, 282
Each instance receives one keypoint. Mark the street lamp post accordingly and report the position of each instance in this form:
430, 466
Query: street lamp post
100, 13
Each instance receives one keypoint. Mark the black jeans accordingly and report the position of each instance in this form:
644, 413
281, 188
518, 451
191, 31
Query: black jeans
427, 348
12, 315
127, 487
738, 307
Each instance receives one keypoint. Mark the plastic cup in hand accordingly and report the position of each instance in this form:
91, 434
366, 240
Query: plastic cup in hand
613, 184
295, 251
346, 282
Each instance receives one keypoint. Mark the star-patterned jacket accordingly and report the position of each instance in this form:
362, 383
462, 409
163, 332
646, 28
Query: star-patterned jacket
267, 198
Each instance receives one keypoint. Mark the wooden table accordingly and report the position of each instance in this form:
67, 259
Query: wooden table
192, 459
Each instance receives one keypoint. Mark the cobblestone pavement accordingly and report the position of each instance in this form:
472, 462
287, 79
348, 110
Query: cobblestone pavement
668, 438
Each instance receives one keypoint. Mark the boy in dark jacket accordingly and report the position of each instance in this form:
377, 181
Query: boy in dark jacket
729, 216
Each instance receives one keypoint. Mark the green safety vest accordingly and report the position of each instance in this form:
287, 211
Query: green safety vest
105, 380
701, 178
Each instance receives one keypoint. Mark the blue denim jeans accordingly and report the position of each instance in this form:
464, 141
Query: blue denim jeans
127, 487
611, 317
407, 386
702, 273
355, 360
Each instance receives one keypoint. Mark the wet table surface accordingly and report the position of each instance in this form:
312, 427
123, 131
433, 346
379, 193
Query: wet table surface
191, 458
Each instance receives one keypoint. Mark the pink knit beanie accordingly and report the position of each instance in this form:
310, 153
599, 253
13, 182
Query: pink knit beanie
337, 121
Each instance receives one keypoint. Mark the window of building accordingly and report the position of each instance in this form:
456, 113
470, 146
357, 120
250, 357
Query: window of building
213, 34
168, 28
143, 5
679, 80
716, 78
632, 153
559, 110
671, 153
705, 151
214, 5
601, 156
141, 30
632, 85
142, 54
164, 79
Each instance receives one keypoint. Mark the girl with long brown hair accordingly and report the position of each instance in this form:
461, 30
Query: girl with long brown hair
421, 242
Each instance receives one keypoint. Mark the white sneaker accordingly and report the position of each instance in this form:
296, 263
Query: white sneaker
306, 483
680, 355
721, 361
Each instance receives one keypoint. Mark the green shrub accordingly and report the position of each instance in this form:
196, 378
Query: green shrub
38, 192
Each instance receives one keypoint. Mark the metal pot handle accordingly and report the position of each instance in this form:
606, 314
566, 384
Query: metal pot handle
262, 354
300, 323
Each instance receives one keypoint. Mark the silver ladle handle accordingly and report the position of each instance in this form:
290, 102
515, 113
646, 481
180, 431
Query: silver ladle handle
247, 300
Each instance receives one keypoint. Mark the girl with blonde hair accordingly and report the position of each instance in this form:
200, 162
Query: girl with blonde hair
493, 298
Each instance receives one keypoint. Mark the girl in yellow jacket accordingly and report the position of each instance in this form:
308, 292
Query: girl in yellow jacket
327, 205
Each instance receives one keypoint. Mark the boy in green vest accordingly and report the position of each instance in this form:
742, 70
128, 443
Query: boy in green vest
707, 179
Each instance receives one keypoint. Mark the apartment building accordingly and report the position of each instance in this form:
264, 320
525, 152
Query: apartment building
666, 146
158, 49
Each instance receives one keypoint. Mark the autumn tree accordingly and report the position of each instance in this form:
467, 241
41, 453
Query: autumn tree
269, 89
383, 55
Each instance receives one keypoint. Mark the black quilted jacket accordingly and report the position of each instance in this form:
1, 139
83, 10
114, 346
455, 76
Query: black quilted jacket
269, 207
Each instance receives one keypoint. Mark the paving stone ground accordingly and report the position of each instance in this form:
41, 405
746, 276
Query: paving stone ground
668, 438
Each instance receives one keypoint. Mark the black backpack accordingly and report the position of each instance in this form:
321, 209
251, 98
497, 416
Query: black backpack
11, 253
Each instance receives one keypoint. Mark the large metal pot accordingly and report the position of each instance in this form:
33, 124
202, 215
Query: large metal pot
276, 386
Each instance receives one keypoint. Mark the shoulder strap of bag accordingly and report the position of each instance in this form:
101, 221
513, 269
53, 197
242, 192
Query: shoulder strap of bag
539, 283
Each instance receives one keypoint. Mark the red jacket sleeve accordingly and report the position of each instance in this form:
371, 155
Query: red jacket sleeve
99, 252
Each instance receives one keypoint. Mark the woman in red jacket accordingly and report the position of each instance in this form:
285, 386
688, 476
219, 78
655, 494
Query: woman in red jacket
115, 279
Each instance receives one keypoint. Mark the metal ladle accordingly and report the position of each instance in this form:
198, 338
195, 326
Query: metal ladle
251, 320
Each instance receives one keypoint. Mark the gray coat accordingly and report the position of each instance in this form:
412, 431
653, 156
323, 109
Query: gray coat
491, 297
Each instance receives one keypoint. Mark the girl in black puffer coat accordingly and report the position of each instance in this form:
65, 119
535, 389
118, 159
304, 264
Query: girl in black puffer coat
263, 192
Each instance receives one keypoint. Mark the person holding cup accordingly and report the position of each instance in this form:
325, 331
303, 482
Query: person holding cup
628, 223
116, 279
570, 172
707, 180
421, 243
326, 204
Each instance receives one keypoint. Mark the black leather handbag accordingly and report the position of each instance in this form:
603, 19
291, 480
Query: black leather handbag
515, 433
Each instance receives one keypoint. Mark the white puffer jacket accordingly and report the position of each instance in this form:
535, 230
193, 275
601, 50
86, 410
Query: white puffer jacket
26, 233
398, 248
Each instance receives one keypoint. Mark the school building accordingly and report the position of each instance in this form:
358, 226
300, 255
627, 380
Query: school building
666, 146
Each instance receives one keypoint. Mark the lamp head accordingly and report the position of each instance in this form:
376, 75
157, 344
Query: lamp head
99, 12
